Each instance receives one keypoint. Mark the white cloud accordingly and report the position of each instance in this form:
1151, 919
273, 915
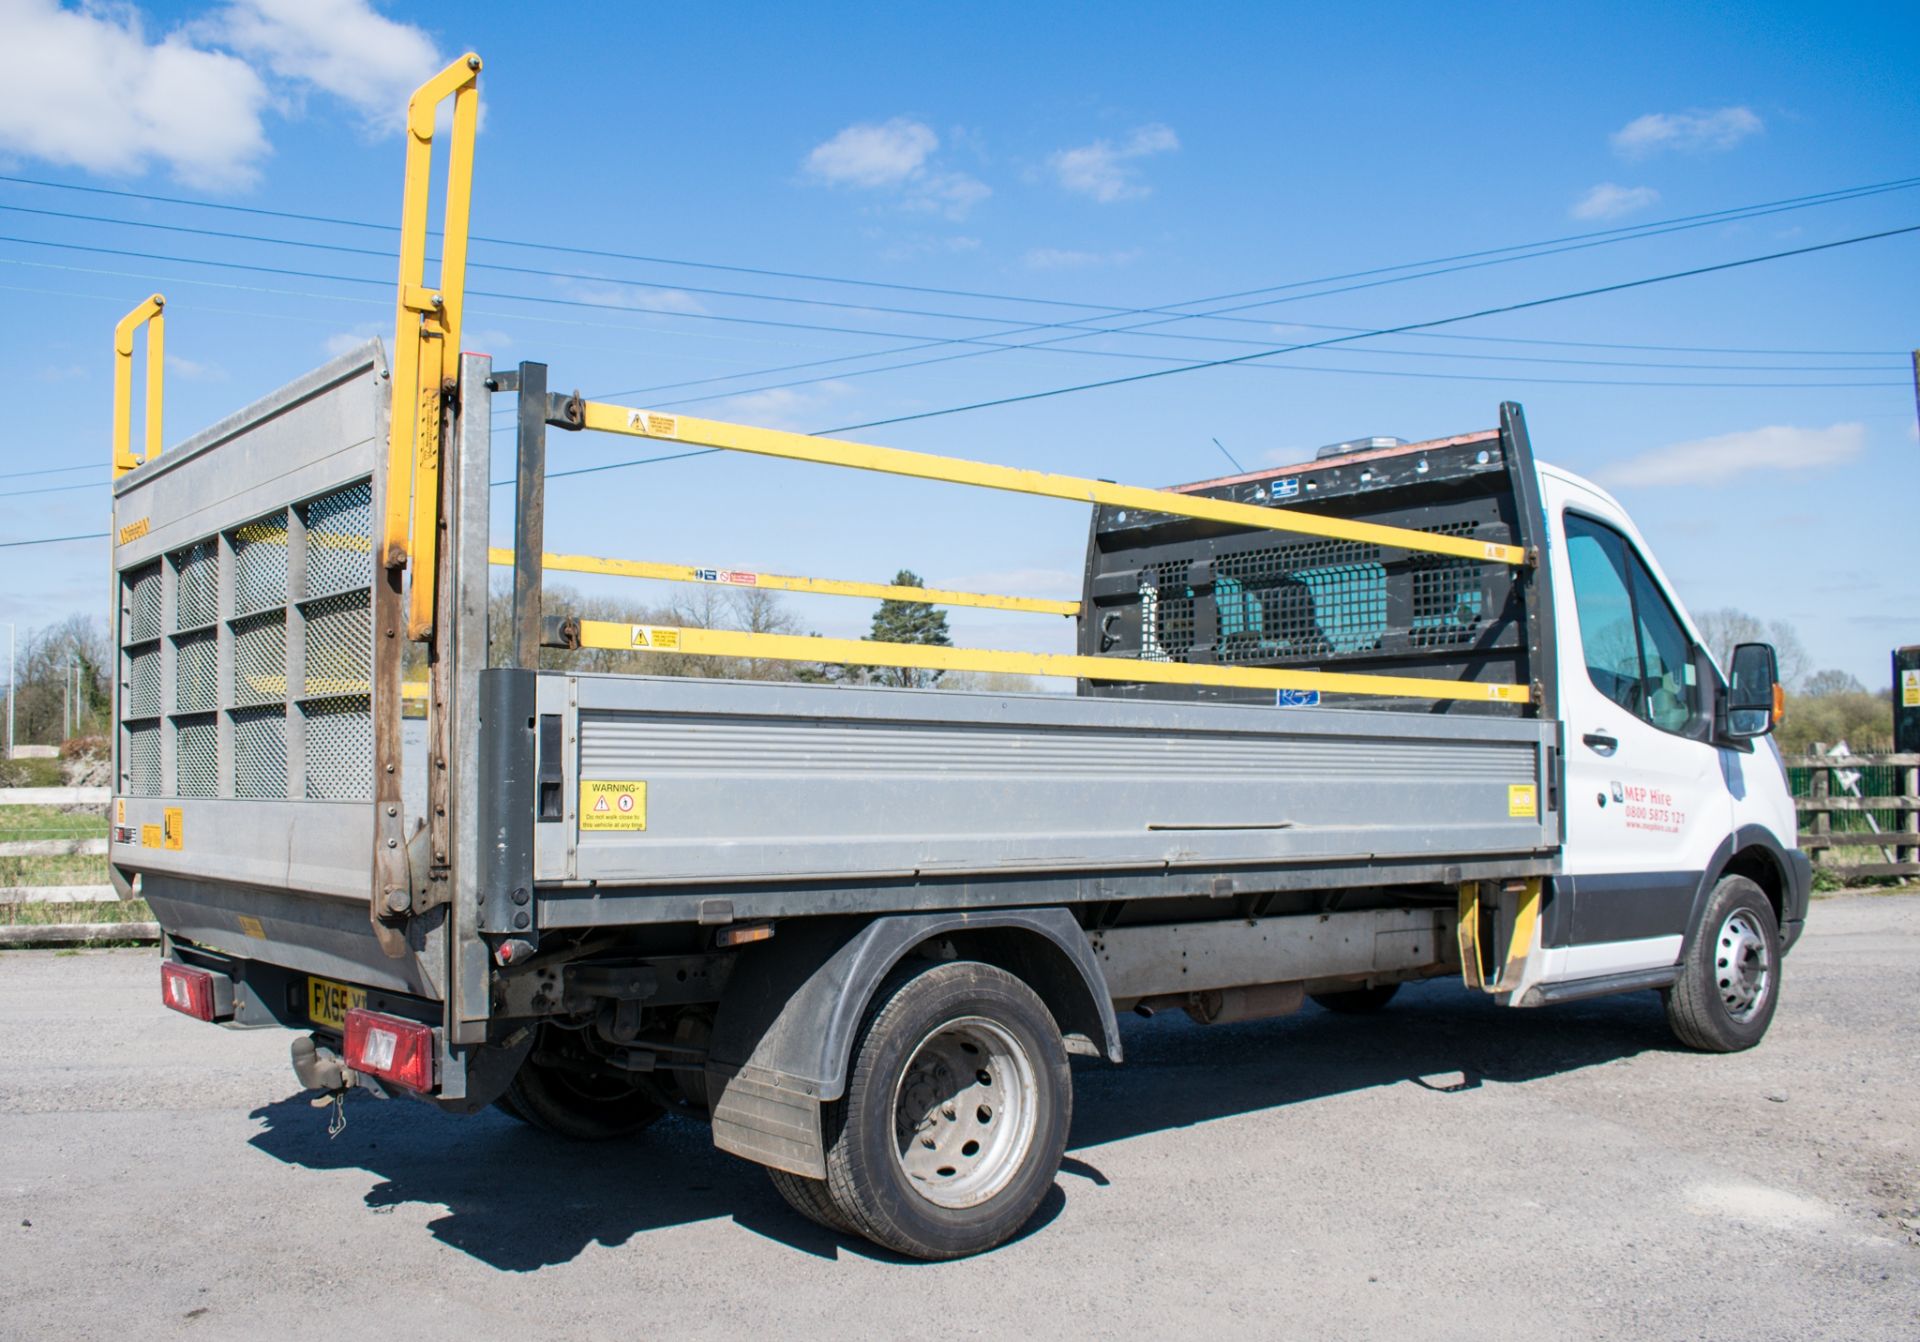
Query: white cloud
895, 156
1720, 128
1716, 460
87, 89
796, 409
1066, 258
1609, 201
1108, 172
886, 154
344, 47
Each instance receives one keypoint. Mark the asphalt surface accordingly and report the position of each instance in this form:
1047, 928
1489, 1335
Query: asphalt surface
1445, 1169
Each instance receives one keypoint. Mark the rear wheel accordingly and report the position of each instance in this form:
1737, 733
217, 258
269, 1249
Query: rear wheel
956, 1113
813, 1200
573, 1102
1357, 1001
1729, 980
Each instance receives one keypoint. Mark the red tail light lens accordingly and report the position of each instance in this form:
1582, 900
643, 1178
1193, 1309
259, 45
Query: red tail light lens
400, 1051
187, 990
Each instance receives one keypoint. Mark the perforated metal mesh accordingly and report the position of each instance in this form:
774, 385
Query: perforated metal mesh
196, 752
260, 660
339, 748
340, 540
339, 645
333, 605
196, 592
1291, 602
260, 564
141, 759
196, 685
143, 683
143, 604
1166, 613
1449, 596
260, 753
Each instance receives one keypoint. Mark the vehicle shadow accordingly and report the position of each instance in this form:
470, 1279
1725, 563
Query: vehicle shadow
518, 1199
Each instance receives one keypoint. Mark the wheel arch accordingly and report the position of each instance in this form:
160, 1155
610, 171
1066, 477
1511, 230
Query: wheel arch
1752, 851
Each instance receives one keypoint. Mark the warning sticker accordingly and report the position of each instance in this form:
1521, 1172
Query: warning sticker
654, 424
252, 927
1910, 689
1523, 801
149, 836
173, 828
612, 806
664, 638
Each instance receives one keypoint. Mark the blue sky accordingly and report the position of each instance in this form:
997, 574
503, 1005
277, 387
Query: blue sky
1119, 156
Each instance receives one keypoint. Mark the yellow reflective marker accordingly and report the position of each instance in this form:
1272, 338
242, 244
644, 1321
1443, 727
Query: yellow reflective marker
612, 805
859, 652
1013, 479
726, 577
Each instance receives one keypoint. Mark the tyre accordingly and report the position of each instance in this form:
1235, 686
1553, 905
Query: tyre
576, 1104
955, 1116
1729, 980
1357, 1001
813, 1200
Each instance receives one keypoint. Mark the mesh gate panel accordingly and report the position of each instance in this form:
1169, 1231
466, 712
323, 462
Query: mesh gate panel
339, 644
260, 659
196, 592
260, 753
196, 748
260, 564
143, 586
196, 686
143, 683
339, 751
141, 759
340, 540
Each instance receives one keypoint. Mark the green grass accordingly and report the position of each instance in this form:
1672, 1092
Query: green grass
31, 773
108, 911
52, 822
71, 869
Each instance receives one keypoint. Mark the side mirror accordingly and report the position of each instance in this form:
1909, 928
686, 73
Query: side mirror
1755, 698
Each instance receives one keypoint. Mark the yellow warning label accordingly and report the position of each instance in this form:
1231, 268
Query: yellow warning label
664, 638
251, 926
1910, 689
120, 811
149, 836
173, 828
133, 531
1523, 801
606, 805
654, 424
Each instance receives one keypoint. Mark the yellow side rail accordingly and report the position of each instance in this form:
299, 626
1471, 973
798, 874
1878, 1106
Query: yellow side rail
151, 315
725, 577
426, 347
859, 652
657, 425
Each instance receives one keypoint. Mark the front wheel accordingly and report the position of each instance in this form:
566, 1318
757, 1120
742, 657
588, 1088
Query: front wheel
956, 1113
1729, 980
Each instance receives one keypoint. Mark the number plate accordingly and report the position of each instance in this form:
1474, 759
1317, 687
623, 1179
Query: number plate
328, 1002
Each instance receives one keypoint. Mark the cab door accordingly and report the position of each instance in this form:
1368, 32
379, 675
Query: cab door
1646, 804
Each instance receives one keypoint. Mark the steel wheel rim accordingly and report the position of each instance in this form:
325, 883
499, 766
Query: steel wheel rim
1742, 966
964, 1112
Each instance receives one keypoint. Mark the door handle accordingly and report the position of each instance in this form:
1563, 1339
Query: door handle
1601, 742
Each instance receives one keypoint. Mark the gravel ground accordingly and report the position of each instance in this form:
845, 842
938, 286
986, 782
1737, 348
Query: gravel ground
1446, 1169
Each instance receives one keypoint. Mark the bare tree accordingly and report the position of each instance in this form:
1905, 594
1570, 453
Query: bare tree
1725, 628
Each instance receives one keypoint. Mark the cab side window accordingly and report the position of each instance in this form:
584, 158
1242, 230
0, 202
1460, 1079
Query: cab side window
1637, 654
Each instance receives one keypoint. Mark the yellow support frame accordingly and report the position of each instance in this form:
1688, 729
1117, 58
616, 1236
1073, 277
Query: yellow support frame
661, 426
859, 652
1526, 915
150, 314
640, 568
426, 353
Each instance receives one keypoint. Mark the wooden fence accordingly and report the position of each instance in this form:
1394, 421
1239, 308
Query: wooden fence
56, 896
1859, 806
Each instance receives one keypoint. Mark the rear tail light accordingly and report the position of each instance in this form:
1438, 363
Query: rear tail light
187, 990
400, 1051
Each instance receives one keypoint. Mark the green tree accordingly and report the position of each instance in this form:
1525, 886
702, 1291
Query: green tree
908, 622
